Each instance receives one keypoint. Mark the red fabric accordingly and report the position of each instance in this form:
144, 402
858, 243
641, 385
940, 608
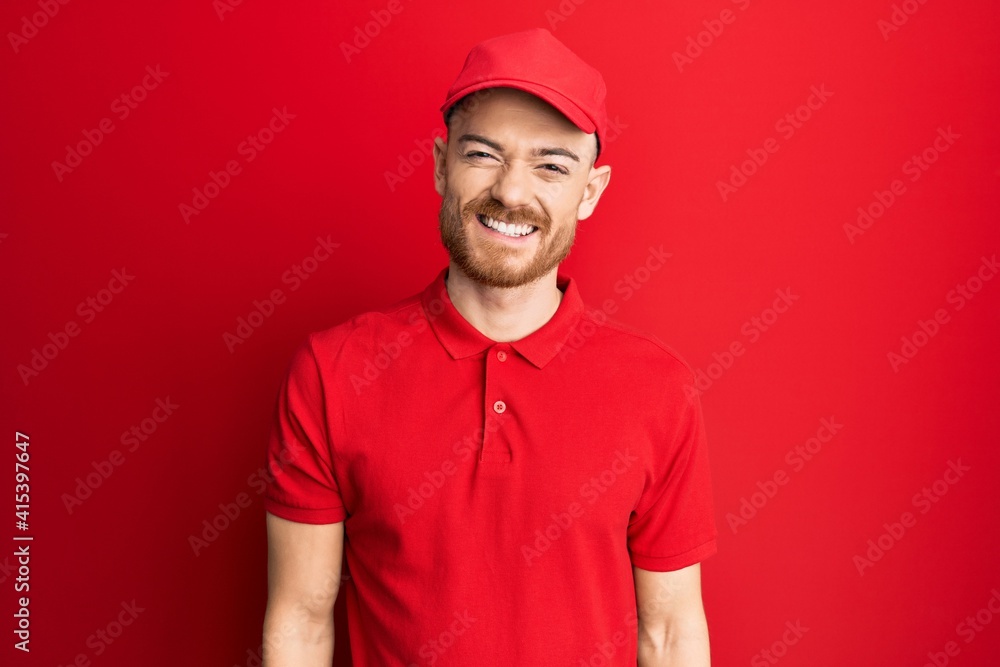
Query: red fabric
495, 494
536, 62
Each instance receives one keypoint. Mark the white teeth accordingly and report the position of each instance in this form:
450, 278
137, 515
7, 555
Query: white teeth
508, 229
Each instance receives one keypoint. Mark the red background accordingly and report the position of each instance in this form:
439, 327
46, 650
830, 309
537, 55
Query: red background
681, 129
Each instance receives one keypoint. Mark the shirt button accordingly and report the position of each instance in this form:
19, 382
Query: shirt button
499, 407
501, 355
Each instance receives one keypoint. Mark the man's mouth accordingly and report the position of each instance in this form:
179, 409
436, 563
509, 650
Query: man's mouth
514, 231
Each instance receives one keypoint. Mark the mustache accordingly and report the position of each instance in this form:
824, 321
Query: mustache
494, 209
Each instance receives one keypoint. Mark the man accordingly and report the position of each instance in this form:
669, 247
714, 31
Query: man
513, 479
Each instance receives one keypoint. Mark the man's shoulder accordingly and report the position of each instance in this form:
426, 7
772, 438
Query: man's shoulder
639, 346
368, 327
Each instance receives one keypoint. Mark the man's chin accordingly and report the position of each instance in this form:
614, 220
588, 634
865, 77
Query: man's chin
499, 282
505, 278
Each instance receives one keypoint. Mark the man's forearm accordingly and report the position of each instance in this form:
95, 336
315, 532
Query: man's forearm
292, 641
679, 646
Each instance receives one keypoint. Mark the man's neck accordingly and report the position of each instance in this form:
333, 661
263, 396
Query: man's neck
504, 315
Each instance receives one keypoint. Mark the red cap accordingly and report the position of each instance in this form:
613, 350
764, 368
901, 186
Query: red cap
536, 62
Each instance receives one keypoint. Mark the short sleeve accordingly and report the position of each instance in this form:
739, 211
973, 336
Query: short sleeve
301, 485
673, 525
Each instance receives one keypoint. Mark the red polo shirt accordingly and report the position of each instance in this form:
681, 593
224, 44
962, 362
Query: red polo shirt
494, 495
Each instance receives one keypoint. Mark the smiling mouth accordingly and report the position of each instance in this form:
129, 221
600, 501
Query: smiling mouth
507, 229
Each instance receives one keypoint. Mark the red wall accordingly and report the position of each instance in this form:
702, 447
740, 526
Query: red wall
822, 441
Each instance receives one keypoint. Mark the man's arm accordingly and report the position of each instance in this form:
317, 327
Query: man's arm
673, 631
303, 578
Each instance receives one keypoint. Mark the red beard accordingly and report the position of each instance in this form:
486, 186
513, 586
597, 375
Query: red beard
493, 263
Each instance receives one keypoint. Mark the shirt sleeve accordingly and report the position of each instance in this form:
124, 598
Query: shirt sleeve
673, 525
301, 483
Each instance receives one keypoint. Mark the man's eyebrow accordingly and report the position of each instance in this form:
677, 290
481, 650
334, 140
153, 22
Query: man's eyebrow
544, 152
482, 140
538, 152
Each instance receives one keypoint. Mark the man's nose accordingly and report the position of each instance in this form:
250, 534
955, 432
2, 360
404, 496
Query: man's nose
512, 187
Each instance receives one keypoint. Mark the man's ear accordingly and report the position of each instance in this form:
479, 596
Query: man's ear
440, 164
596, 182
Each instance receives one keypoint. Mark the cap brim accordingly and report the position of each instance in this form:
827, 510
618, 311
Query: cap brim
562, 103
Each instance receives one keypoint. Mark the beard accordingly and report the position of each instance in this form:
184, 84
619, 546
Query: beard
492, 262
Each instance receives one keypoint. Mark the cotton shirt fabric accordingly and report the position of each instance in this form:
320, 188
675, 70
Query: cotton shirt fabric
495, 495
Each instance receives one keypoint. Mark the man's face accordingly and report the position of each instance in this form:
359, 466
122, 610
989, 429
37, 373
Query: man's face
512, 158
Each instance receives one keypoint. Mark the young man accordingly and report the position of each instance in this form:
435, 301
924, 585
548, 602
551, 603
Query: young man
513, 478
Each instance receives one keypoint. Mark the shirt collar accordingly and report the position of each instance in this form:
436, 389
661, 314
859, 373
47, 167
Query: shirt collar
461, 339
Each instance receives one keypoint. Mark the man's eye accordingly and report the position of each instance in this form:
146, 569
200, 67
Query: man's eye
477, 154
556, 168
